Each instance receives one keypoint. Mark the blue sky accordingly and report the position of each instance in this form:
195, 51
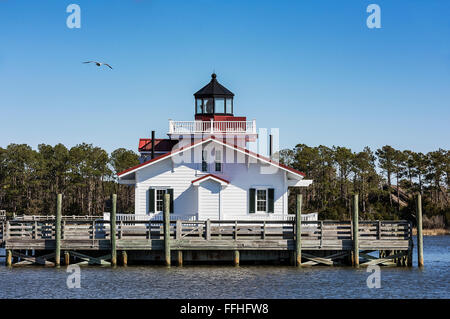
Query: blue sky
311, 68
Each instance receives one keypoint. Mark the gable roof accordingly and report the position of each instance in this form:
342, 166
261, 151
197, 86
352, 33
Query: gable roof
211, 138
210, 176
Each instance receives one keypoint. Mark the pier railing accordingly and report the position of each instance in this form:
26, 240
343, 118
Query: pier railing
331, 232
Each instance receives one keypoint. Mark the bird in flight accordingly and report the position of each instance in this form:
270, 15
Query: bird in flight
99, 63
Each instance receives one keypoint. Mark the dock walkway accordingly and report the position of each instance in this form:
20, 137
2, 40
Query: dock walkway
319, 239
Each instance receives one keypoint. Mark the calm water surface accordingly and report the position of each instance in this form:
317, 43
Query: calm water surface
241, 282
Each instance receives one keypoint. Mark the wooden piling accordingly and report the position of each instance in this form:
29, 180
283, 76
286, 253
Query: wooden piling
66, 258
9, 257
113, 231
298, 232
180, 258
124, 258
236, 257
419, 230
58, 230
355, 231
167, 228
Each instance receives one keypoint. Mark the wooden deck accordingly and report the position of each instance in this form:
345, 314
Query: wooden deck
211, 235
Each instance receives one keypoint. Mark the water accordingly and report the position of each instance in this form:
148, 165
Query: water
241, 282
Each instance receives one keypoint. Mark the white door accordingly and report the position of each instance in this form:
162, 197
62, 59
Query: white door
209, 200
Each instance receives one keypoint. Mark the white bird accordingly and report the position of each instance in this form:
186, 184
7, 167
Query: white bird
99, 63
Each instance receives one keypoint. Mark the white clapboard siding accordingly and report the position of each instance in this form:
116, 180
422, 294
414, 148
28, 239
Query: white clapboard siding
209, 200
233, 200
162, 175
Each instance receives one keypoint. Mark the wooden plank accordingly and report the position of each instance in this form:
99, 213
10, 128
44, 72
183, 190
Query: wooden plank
377, 261
298, 232
113, 231
41, 260
89, 260
58, 230
167, 229
327, 260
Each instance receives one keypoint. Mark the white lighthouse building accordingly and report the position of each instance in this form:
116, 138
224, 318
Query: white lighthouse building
206, 167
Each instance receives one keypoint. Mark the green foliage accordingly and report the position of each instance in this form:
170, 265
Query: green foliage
338, 173
30, 179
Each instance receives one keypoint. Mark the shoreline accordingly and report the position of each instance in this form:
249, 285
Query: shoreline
432, 232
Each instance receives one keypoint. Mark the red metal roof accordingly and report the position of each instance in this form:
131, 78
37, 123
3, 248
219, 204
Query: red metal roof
210, 175
161, 144
220, 141
205, 117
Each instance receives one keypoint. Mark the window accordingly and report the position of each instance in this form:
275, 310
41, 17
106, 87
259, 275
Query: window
199, 106
218, 161
208, 106
204, 162
229, 106
261, 200
220, 105
160, 199
156, 199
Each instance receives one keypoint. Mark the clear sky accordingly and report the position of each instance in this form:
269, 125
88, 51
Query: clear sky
311, 68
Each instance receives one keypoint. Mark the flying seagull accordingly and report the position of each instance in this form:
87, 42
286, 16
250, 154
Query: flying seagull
99, 63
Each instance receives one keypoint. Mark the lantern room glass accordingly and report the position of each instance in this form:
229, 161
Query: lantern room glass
208, 106
229, 106
199, 106
219, 105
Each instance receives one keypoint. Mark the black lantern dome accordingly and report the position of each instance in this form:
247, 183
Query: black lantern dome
214, 99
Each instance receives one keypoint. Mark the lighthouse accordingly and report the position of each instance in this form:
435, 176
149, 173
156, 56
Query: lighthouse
208, 170
214, 111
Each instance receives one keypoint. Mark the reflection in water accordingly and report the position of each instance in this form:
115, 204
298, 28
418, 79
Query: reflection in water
241, 282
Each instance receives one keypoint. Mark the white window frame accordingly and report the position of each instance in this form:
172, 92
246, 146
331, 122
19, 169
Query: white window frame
266, 190
162, 188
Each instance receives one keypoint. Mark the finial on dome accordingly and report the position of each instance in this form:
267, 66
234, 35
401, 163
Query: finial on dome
213, 76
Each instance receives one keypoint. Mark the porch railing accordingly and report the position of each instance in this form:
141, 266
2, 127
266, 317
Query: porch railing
192, 127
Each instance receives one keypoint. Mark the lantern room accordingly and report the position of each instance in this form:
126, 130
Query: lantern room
213, 99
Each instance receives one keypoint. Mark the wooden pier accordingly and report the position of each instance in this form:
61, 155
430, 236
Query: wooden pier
89, 241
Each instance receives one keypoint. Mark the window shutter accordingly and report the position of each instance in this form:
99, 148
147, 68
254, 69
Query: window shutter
252, 200
170, 192
151, 200
270, 199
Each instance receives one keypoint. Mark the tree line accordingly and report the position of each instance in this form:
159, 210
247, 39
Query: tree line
386, 181
84, 174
